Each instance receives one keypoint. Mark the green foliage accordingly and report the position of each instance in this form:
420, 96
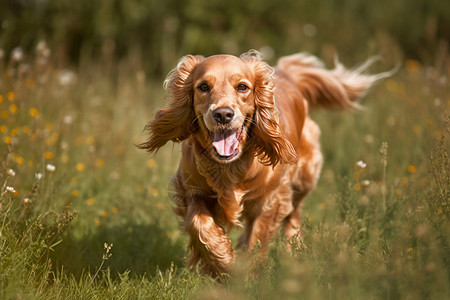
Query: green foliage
165, 30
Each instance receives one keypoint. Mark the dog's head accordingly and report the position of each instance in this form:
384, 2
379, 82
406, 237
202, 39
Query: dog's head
227, 103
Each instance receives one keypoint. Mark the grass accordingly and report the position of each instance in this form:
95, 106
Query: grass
84, 214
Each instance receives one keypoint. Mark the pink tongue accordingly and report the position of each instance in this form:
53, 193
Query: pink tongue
225, 143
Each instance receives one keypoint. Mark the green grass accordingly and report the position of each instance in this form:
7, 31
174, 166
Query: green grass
379, 232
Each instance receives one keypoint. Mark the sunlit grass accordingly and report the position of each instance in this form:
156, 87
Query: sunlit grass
71, 180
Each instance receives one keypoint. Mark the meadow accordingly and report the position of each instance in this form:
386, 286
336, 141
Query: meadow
84, 214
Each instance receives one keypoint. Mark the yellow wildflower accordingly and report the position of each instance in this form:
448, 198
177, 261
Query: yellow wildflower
151, 163
80, 167
33, 112
413, 65
154, 192
411, 169
90, 201
357, 187
90, 140
13, 108
75, 193
20, 160
10, 96
3, 128
7, 139
15, 131
99, 162
48, 155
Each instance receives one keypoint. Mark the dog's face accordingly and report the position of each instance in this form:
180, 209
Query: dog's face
224, 104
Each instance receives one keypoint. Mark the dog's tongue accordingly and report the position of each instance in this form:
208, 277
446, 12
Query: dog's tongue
225, 143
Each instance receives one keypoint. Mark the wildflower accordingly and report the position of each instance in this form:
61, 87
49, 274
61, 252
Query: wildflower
151, 163
68, 119
75, 193
11, 172
13, 109
155, 192
15, 131
26, 200
10, 96
33, 112
90, 140
11, 189
357, 187
412, 65
3, 128
7, 139
80, 167
50, 168
66, 77
17, 54
90, 201
361, 164
365, 182
100, 162
104, 213
48, 155
411, 169
38, 176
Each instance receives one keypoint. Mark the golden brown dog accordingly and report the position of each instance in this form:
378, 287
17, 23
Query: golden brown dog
250, 152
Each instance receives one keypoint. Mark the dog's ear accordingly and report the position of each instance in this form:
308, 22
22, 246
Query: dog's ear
175, 122
270, 145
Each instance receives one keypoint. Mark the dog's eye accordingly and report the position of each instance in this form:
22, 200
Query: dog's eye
203, 87
242, 87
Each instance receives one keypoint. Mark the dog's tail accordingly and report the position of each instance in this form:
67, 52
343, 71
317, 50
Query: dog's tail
337, 88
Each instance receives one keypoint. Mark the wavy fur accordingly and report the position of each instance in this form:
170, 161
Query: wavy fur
254, 169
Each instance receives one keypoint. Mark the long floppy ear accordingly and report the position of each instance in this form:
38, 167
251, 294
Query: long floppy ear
271, 146
175, 122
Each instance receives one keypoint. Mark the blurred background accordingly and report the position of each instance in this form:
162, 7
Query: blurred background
156, 33
79, 79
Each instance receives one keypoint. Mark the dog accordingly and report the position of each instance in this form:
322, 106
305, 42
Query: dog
250, 152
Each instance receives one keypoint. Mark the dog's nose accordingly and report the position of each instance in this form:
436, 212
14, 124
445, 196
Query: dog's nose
223, 115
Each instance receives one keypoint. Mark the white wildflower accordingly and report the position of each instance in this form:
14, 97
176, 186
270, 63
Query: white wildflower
68, 119
38, 176
365, 182
10, 189
361, 164
66, 77
26, 200
17, 54
50, 168
11, 172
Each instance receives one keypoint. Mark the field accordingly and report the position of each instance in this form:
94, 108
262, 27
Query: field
84, 214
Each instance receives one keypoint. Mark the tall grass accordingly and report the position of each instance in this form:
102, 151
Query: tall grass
377, 226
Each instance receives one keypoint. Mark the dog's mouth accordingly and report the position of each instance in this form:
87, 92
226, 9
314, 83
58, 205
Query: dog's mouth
226, 143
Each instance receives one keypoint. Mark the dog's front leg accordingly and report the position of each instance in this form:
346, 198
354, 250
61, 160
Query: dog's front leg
208, 242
